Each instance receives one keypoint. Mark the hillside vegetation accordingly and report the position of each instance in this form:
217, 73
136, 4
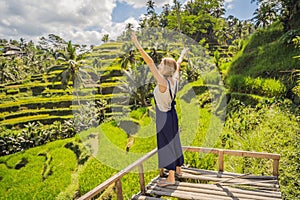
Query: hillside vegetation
69, 121
261, 121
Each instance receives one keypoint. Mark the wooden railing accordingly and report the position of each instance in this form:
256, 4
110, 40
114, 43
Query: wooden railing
139, 163
222, 152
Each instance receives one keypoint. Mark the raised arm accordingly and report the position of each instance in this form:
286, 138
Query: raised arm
149, 61
179, 61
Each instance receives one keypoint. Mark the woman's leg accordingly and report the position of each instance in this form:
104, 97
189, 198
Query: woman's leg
171, 176
178, 170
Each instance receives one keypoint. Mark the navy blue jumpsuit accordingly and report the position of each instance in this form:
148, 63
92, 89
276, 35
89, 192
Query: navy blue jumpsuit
168, 141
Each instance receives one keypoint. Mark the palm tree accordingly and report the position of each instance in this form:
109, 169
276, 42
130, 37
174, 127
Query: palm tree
105, 38
138, 84
71, 69
150, 7
264, 15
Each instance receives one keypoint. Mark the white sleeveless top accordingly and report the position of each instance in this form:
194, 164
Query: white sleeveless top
164, 100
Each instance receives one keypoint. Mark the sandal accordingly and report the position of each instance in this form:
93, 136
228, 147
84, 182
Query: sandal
164, 183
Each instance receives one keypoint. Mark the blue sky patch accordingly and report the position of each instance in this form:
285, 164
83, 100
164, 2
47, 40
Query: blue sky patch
124, 11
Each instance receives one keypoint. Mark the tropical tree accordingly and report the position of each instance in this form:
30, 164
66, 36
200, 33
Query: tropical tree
138, 84
150, 7
72, 69
166, 9
105, 38
265, 15
287, 10
126, 59
52, 42
177, 7
129, 27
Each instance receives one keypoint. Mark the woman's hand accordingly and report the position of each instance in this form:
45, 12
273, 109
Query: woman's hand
135, 41
183, 53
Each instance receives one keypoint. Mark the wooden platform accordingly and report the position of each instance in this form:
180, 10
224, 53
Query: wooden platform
201, 184
211, 185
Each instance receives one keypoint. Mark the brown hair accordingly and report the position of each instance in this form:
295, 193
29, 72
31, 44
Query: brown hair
169, 65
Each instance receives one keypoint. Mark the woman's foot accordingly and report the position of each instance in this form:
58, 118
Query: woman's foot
164, 183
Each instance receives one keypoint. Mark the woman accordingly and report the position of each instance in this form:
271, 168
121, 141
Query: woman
170, 154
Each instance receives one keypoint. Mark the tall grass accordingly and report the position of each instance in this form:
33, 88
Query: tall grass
268, 87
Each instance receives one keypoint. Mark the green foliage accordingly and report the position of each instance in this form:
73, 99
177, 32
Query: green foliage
259, 86
92, 174
290, 37
138, 85
46, 172
269, 126
261, 67
253, 122
34, 134
89, 114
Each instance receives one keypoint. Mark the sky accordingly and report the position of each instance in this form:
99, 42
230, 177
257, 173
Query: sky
84, 21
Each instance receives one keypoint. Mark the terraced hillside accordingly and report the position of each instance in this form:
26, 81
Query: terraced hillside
38, 98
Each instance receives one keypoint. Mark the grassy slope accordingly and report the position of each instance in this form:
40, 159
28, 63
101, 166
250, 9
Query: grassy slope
264, 65
265, 54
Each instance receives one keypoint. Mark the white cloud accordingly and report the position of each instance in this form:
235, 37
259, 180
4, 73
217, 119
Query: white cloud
229, 4
142, 3
82, 21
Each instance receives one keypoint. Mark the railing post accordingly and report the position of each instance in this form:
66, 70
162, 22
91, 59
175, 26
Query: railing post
221, 160
142, 179
275, 167
119, 189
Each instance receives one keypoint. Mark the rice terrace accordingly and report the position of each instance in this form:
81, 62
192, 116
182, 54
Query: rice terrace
78, 121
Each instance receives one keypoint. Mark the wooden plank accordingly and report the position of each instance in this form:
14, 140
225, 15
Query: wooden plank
233, 181
206, 186
223, 174
221, 188
220, 191
185, 195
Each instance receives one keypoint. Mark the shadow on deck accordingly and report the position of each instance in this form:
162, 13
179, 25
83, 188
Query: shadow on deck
202, 184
